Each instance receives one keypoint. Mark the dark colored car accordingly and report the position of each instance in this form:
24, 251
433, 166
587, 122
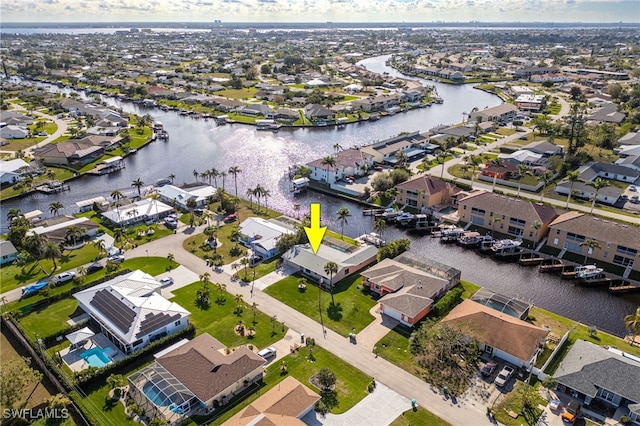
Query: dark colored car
488, 368
95, 266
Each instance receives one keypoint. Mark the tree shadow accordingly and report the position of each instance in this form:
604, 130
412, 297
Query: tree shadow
109, 403
334, 311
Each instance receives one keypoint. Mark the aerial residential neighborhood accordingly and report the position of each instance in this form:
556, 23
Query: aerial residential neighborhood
266, 221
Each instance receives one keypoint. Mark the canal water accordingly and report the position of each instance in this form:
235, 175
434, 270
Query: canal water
264, 158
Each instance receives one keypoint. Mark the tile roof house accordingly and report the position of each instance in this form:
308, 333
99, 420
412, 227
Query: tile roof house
315, 112
511, 339
424, 191
619, 242
196, 377
69, 153
514, 216
348, 162
130, 310
631, 138
283, 405
261, 235
408, 287
606, 114
592, 373
303, 259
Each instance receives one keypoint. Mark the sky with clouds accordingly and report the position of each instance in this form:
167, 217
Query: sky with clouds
599, 11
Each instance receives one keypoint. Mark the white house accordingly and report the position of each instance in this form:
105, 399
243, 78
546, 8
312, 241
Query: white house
140, 211
179, 196
131, 312
261, 235
350, 162
10, 171
13, 132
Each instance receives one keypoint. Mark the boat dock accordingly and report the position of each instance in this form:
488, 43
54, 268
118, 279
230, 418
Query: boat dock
372, 212
596, 281
53, 186
530, 258
623, 286
551, 265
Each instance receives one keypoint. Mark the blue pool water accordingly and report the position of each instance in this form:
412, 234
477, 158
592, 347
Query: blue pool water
97, 357
155, 395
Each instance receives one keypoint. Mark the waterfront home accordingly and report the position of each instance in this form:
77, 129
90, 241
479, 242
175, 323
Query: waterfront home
501, 113
8, 252
317, 112
178, 197
378, 103
196, 377
261, 235
500, 335
384, 150
131, 312
88, 204
57, 229
286, 114
409, 285
140, 211
349, 162
424, 191
283, 405
506, 215
11, 171
598, 377
69, 153
349, 259
527, 72
617, 243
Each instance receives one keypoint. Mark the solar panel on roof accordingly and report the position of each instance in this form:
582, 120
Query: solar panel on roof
154, 321
111, 307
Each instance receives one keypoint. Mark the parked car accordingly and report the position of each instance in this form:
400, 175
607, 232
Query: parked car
116, 258
230, 218
504, 376
571, 411
488, 368
95, 266
198, 212
166, 281
255, 259
64, 277
632, 188
267, 352
554, 404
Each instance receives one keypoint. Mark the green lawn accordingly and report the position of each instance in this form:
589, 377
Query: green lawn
353, 304
51, 319
505, 132
513, 403
18, 144
350, 387
420, 417
238, 93
20, 187
219, 319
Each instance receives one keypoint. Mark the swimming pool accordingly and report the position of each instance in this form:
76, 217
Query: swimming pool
97, 357
155, 395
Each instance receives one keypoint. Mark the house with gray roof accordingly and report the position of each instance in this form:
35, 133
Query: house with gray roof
592, 373
606, 114
350, 259
631, 138
503, 112
8, 252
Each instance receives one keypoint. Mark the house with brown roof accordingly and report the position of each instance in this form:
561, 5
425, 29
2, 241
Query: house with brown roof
506, 215
500, 335
409, 286
618, 243
283, 405
69, 153
424, 191
196, 377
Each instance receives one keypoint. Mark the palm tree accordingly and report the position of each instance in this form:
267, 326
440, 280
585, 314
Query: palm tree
591, 245
55, 207
343, 214
195, 174
244, 262
14, 213
523, 170
597, 184
572, 176
336, 148
214, 173
474, 161
223, 175
116, 195
235, 170
73, 232
250, 195
296, 208
441, 158
330, 162
331, 268
266, 194
172, 177
536, 225
171, 258
100, 245
52, 251
379, 226
138, 183
254, 308
546, 179
632, 322
238, 299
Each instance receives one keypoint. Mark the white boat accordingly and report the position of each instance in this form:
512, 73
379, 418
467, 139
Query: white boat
505, 246
586, 272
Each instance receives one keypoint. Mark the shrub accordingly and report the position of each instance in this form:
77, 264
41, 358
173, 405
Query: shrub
447, 302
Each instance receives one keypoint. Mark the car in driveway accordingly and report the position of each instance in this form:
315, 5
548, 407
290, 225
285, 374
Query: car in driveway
116, 258
267, 352
488, 368
95, 266
503, 377
230, 218
571, 412
166, 281
255, 259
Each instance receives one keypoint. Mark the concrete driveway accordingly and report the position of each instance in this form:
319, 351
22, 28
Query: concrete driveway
182, 277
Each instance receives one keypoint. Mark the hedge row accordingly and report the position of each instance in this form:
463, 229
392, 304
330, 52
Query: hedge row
447, 302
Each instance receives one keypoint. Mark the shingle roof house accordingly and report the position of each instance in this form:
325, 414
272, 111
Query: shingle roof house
502, 335
591, 372
194, 378
283, 405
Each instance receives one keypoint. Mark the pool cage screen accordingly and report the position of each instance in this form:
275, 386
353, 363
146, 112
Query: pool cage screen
505, 304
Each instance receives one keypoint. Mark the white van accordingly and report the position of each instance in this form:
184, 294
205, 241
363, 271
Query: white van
267, 352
